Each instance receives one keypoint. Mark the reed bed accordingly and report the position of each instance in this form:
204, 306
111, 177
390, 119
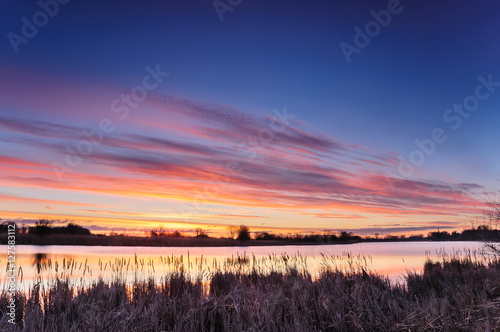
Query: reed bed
271, 293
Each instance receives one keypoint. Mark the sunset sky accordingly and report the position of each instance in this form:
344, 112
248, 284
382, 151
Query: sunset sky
133, 114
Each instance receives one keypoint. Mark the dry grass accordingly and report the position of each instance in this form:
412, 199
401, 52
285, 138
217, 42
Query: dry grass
275, 293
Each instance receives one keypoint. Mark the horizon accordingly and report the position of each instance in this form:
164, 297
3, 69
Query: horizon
160, 231
374, 117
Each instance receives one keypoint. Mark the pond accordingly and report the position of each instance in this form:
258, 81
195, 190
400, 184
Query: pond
84, 264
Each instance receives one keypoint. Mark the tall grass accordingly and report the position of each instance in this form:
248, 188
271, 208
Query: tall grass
274, 293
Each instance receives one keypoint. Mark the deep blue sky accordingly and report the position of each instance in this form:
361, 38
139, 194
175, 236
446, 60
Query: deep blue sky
271, 54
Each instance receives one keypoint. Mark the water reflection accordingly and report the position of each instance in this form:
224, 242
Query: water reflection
39, 259
83, 265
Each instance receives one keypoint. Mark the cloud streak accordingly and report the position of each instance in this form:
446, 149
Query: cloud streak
294, 171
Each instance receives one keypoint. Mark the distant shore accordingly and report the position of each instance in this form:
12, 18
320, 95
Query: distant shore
136, 241
45, 234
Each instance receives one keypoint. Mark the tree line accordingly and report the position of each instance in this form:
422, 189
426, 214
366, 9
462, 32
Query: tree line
45, 227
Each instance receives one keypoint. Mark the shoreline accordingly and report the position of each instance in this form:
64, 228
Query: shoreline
119, 241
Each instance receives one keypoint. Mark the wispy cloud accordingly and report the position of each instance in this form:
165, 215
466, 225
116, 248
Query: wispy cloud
297, 169
40, 201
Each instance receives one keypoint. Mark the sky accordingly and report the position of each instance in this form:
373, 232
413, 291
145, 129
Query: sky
286, 116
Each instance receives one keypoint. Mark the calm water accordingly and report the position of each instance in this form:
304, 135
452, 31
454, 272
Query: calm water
83, 264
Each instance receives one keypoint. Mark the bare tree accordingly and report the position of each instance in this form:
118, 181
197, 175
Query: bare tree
488, 223
492, 215
44, 222
200, 232
232, 231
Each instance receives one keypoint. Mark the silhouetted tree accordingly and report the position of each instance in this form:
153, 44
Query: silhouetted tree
200, 232
232, 231
439, 236
42, 227
4, 227
73, 229
243, 233
265, 236
44, 222
160, 231
24, 229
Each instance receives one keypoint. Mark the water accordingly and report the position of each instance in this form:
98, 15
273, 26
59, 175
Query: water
83, 264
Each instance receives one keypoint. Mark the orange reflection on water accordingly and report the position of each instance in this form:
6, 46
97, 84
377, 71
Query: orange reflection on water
84, 265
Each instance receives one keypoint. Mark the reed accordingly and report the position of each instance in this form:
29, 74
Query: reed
272, 293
